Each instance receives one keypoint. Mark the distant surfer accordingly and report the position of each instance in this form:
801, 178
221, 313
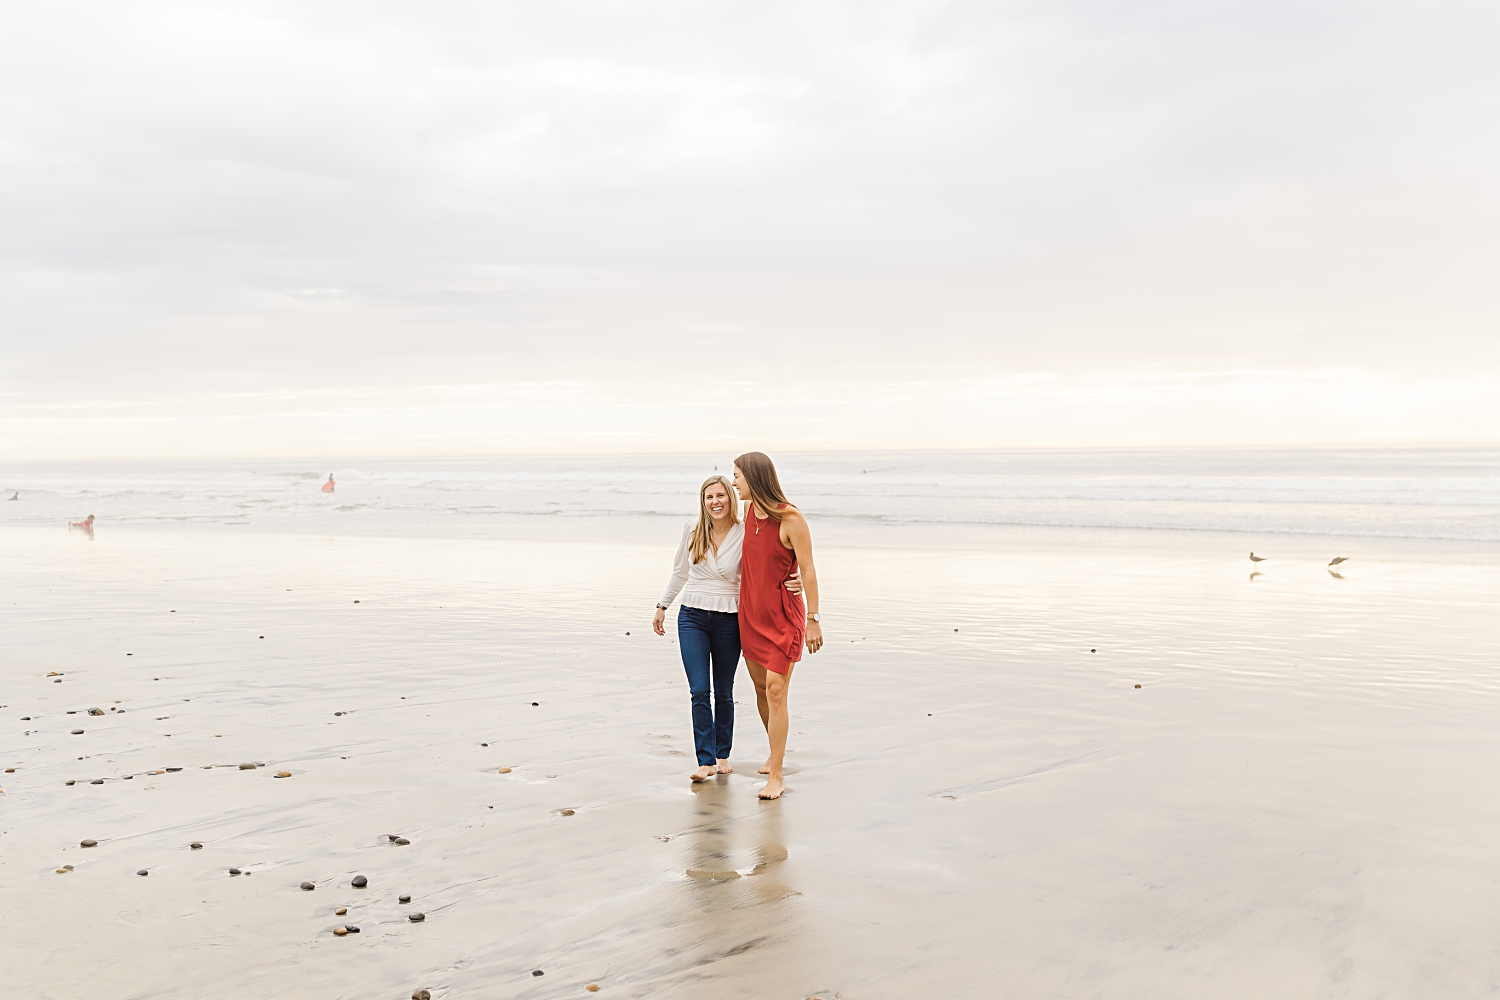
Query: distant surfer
328, 486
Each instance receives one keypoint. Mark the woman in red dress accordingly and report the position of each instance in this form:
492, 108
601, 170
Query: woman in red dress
774, 624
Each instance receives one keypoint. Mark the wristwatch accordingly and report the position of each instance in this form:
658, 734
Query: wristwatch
816, 617
661, 607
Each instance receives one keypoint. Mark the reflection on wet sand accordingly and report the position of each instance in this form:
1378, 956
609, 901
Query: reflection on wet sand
1092, 766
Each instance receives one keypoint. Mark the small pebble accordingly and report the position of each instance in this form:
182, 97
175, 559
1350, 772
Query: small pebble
247, 767
196, 846
627, 633
421, 995
78, 732
100, 781
25, 718
341, 911
403, 899
356, 602
416, 918
592, 987
341, 931
62, 871
567, 812
234, 871
96, 711
401, 842
10, 770
129, 777
537, 972
484, 744
143, 872
352, 929
535, 704
505, 770
338, 713
88, 843
1093, 651
360, 882
174, 770
283, 774
1137, 686
67, 782
308, 887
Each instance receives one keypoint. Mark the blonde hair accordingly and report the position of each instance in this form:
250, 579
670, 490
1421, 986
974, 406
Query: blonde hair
703, 537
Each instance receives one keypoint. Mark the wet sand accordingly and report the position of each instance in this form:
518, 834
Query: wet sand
1298, 800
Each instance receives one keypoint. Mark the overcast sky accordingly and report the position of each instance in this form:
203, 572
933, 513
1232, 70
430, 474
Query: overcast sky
322, 228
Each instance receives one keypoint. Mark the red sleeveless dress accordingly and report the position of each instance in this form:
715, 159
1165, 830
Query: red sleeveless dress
772, 618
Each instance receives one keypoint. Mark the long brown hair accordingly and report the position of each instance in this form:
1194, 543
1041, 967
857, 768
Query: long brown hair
765, 487
703, 537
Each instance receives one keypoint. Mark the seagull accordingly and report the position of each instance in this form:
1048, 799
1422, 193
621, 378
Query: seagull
1339, 559
1257, 559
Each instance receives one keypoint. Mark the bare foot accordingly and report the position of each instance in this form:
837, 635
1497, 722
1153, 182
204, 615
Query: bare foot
724, 767
772, 789
764, 768
703, 773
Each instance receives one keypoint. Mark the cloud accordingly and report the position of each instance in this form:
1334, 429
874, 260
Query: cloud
272, 198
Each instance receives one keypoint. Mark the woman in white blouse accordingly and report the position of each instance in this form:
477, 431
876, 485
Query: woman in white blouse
707, 574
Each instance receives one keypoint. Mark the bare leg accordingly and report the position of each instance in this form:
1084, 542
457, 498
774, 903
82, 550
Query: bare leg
777, 688
758, 676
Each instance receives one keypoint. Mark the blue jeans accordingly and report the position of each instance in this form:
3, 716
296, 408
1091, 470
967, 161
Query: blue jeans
705, 636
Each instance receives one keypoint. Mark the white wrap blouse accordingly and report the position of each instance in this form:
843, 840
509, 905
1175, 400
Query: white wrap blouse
714, 583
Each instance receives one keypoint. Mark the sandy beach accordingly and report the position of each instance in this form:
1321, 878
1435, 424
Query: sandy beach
1031, 762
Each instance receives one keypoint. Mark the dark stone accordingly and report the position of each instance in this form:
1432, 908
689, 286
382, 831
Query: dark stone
196, 846
100, 781
25, 718
78, 732
535, 704
173, 770
308, 887
1093, 651
360, 882
1137, 686
143, 872
421, 995
403, 899
247, 767
96, 711
484, 744
67, 782
353, 929
234, 871
416, 918
88, 843
129, 777
338, 713
401, 842
537, 972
